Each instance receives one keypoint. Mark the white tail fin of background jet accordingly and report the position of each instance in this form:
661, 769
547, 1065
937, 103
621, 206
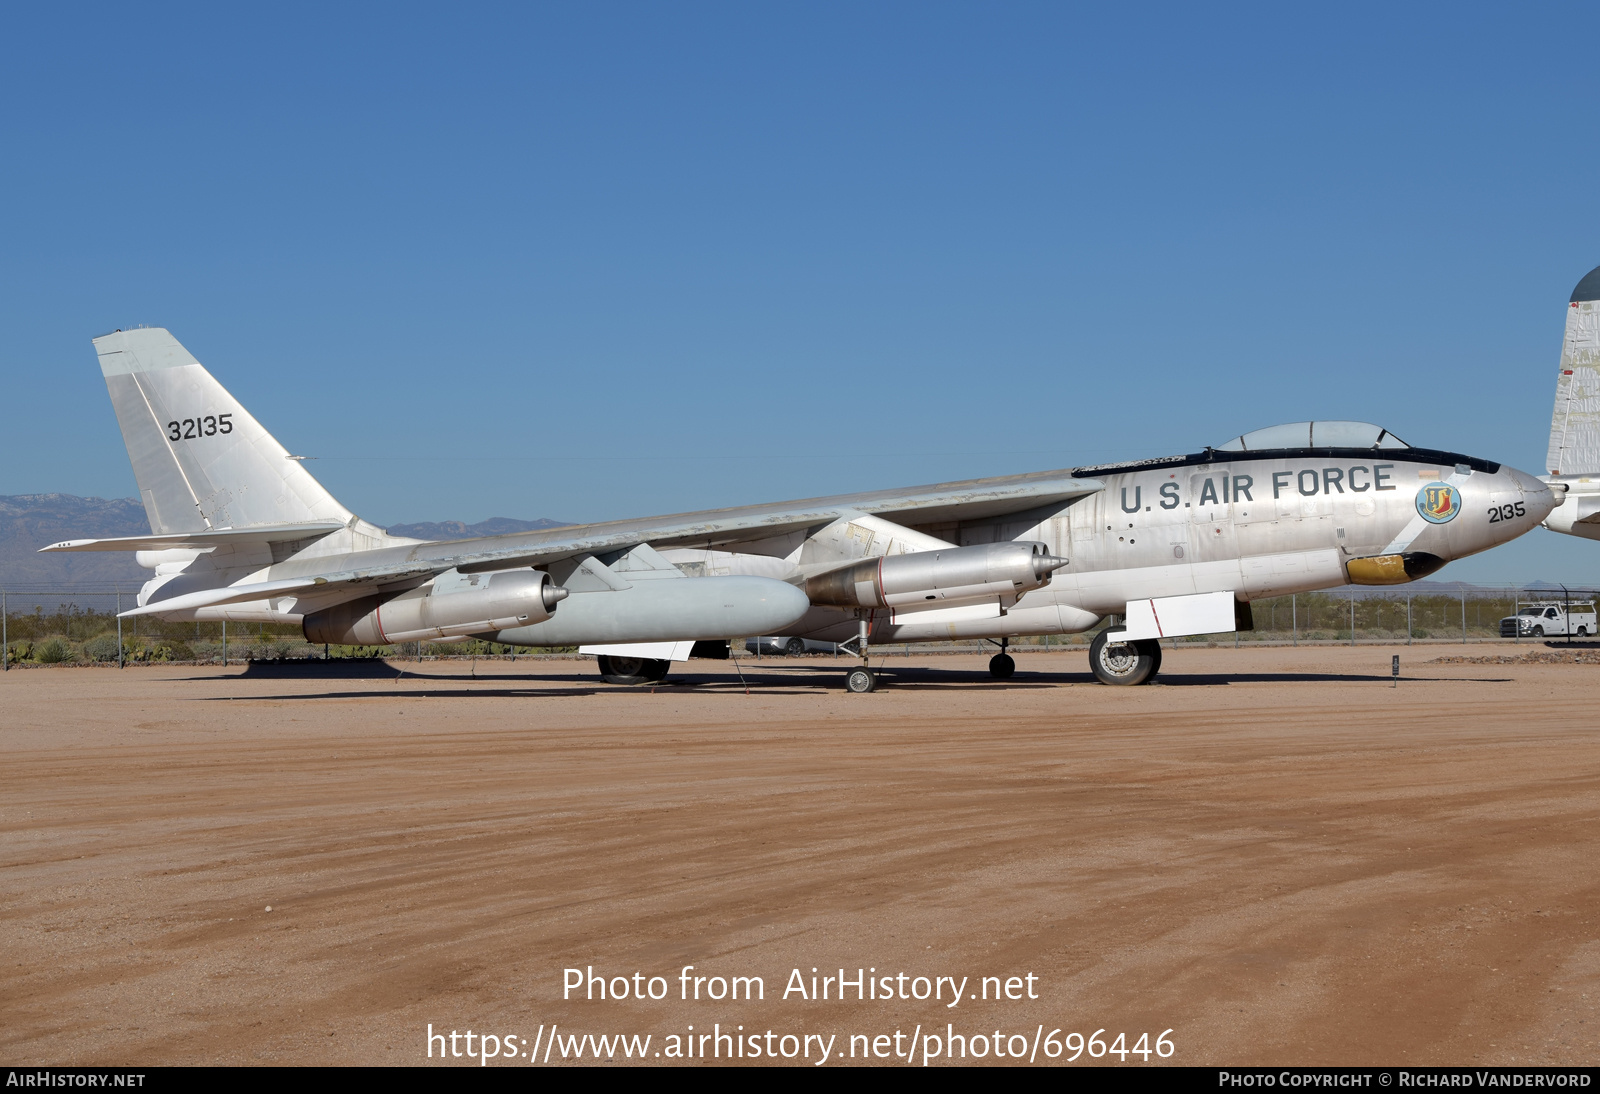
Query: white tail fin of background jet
202, 461
1575, 425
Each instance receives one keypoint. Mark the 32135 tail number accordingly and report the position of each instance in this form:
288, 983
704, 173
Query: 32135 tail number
209, 426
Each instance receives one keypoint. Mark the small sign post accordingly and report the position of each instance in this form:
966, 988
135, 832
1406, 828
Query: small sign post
1394, 672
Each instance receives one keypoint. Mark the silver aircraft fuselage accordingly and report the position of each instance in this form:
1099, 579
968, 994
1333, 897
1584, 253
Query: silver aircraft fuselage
1256, 524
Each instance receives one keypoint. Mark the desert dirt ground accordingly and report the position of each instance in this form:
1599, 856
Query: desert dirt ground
1273, 853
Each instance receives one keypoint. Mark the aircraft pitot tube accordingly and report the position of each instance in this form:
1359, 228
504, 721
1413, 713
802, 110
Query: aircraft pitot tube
515, 598
928, 578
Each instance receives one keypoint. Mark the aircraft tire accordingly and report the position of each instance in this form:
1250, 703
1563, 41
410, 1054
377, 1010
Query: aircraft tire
1153, 648
860, 681
1002, 665
632, 670
794, 647
1123, 663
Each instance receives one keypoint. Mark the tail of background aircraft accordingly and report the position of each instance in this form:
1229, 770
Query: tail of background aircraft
1575, 426
202, 461
1574, 458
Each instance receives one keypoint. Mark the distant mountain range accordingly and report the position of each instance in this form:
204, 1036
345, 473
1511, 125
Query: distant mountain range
31, 521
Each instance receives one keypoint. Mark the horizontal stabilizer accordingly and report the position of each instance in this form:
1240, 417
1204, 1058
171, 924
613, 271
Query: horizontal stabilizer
270, 533
1587, 509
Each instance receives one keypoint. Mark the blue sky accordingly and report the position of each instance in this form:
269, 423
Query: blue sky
593, 261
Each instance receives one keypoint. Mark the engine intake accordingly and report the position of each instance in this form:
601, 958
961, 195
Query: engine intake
512, 598
1392, 569
927, 578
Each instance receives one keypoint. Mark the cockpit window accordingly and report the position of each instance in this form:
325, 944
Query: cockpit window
1315, 435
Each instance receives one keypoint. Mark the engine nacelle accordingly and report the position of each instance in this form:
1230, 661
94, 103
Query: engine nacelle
512, 598
929, 578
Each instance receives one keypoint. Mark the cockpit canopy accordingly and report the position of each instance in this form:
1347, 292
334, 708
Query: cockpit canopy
1315, 435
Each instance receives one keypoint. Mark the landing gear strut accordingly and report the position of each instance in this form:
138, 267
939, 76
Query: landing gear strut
861, 680
1002, 664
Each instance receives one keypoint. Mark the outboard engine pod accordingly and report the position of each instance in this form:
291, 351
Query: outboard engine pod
927, 577
511, 598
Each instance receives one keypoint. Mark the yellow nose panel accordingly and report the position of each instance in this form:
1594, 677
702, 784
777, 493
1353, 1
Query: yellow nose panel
1380, 570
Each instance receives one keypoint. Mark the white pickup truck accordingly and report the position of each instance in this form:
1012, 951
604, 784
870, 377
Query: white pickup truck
1550, 618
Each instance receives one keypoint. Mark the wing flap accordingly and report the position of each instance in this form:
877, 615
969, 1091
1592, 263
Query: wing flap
350, 583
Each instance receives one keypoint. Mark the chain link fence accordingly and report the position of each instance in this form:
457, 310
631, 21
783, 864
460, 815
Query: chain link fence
56, 624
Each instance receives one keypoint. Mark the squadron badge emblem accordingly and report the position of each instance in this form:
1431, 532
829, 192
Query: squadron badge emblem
1438, 502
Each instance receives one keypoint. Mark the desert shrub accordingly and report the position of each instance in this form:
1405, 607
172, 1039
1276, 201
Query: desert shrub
102, 647
52, 652
171, 651
21, 651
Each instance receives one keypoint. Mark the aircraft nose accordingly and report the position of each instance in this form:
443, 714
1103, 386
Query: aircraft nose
1537, 496
1515, 503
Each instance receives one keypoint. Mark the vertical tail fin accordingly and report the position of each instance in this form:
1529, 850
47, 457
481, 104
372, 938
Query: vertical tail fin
202, 460
1575, 426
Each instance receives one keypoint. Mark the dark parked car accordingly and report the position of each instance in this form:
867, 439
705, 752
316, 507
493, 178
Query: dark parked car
784, 645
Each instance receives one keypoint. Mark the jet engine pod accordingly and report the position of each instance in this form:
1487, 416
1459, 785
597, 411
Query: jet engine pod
1392, 569
959, 573
511, 598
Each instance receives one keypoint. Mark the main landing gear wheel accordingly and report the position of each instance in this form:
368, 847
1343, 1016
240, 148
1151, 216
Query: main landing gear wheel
794, 647
860, 681
632, 670
1124, 662
1001, 666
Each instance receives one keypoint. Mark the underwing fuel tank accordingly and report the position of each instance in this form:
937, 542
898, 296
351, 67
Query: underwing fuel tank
921, 577
510, 599
684, 609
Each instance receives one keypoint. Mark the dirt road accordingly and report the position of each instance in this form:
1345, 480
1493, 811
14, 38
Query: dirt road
1273, 854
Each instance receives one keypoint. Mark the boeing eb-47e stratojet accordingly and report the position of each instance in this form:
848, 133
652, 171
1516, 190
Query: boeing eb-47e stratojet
1169, 547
